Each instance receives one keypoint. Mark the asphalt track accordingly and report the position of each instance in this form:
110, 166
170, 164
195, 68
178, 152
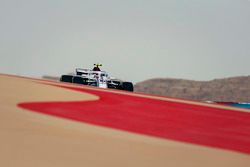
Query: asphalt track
44, 123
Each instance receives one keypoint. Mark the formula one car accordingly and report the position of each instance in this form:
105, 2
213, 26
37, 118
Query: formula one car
98, 78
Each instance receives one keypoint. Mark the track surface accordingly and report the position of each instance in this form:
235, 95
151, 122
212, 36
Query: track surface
76, 125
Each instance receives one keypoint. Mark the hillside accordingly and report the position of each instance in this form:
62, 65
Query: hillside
227, 89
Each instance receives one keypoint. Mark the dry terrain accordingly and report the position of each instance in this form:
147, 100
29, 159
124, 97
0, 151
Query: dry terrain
30, 138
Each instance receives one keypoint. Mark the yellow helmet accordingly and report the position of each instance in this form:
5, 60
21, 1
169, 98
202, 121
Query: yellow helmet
97, 65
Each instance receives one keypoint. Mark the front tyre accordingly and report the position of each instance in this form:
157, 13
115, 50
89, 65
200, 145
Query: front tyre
128, 86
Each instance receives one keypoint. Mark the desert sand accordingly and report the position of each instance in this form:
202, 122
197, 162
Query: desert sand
30, 139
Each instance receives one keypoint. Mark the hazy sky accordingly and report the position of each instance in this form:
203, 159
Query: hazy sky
134, 39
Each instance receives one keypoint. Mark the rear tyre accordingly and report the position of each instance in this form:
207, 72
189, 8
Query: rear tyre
128, 86
66, 78
79, 80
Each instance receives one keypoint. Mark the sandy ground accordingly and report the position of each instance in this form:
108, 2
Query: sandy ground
32, 139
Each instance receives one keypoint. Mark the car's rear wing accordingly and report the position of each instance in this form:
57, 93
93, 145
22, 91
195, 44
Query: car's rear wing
81, 71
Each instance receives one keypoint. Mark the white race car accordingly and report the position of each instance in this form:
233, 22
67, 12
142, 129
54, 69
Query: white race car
98, 78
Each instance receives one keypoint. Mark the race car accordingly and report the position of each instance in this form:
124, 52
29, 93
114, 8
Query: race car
97, 77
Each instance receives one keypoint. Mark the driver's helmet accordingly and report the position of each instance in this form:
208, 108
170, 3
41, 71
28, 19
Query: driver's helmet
96, 68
